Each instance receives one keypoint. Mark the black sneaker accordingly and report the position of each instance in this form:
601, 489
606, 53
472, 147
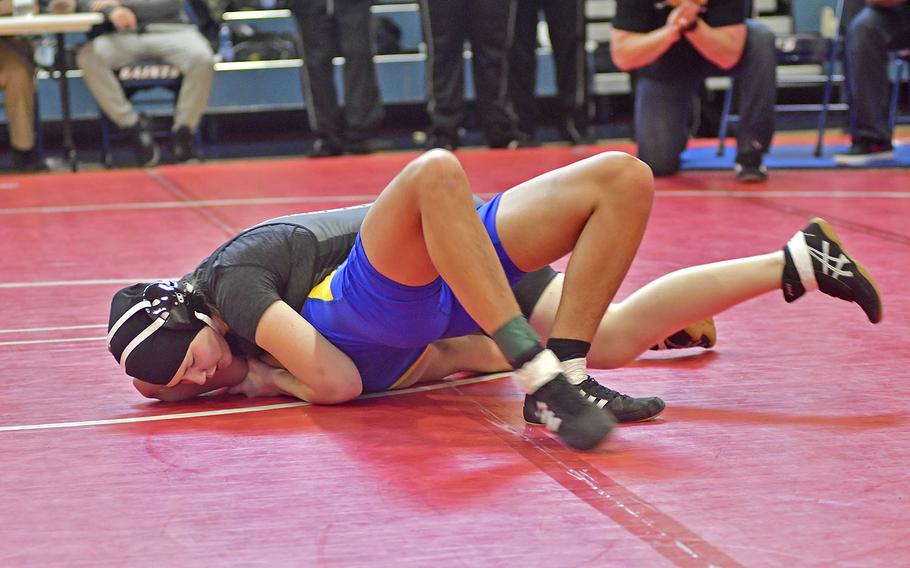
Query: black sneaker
360, 147
700, 334
450, 143
750, 172
325, 148
578, 423
147, 152
815, 258
28, 161
625, 408
574, 135
864, 151
182, 145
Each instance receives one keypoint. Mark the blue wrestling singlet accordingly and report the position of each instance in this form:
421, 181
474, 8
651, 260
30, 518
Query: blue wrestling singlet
385, 327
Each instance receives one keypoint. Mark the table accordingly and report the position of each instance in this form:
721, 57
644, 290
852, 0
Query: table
58, 24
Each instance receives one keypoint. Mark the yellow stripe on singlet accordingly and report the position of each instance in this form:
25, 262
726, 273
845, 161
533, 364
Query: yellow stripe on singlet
406, 380
323, 290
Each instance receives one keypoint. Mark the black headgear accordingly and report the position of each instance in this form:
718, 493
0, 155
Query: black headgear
151, 327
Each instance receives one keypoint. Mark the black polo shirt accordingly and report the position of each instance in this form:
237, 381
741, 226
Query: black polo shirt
643, 16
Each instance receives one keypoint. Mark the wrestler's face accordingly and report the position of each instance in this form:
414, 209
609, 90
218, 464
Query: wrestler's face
207, 354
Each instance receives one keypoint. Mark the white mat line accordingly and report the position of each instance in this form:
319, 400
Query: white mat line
858, 194
795, 193
40, 341
247, 409
54, 328
49, 283
187, 204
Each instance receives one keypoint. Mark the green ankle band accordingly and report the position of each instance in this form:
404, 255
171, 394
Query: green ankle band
518, 341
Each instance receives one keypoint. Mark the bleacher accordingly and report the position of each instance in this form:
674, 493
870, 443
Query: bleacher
274, 85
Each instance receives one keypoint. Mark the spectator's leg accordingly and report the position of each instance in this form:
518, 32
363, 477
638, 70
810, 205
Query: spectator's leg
490, 26
871, 34
566, 23
185, 48
319, 37
97, 59
444, 31
362, 103
663, 111
523, 67
17, 80
756, 76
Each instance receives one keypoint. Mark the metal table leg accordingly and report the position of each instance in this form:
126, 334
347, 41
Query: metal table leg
69, 146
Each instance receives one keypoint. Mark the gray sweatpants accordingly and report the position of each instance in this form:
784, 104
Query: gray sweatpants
180, 45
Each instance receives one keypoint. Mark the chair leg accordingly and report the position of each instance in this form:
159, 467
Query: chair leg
106, 151
899, 65
39, 129
826, 98
724, 121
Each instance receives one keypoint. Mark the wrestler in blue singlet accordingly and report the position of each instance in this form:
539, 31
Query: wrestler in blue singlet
385, 327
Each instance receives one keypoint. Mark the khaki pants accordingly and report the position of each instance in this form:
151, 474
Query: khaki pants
17, 80
181, 45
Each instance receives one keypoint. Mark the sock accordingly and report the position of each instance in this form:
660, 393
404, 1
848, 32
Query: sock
520, 344
572, 354
567, 349
799, 274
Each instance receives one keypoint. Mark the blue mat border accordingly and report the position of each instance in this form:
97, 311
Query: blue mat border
785, 156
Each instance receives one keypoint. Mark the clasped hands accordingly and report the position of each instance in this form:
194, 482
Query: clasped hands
120, 16
684, 15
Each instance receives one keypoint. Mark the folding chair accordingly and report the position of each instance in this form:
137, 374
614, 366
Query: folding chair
808, 44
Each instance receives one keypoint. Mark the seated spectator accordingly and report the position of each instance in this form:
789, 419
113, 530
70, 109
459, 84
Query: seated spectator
17, 80
146, 29
339, 28
566, 28
882, 26
674, 45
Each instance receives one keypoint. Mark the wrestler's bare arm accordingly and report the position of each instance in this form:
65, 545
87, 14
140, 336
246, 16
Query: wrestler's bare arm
316, 370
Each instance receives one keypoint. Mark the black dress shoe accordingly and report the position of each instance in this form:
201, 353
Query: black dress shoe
182, 145
147, 152
28, 161
324, 148
575, 136
450, 143
360, 147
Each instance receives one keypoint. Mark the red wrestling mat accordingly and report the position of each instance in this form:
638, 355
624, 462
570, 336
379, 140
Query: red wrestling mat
786, 445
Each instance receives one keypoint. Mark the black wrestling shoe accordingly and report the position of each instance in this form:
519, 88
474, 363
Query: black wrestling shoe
815, 258
579, 424
623, 407
699, 334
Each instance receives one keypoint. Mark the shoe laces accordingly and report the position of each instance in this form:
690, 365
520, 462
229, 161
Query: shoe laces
591, 387
560, 397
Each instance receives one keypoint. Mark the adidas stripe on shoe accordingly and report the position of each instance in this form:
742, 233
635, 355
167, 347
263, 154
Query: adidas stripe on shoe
815, 259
